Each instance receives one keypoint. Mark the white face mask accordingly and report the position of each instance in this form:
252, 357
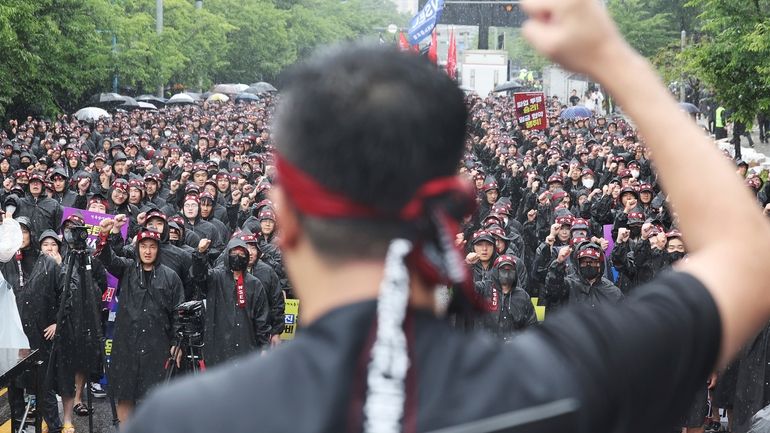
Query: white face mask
635, 174
588, 183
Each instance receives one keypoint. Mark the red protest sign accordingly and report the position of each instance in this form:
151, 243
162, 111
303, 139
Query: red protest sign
530, 110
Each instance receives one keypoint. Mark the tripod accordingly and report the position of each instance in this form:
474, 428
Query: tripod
80, 259
190, 343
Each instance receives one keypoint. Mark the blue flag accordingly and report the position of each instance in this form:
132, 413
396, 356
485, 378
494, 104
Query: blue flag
425, 21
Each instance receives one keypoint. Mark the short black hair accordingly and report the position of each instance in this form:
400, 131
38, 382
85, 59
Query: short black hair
373, 124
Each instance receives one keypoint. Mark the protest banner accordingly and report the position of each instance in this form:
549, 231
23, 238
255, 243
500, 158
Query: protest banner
530, 110
291, 312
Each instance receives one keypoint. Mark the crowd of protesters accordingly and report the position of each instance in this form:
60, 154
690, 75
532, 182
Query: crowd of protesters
191, 185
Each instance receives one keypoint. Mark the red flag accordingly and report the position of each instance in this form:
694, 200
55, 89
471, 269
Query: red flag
433, 50
403, 44
451, 58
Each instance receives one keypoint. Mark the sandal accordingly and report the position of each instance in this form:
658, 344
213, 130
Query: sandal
80, 409
68, 428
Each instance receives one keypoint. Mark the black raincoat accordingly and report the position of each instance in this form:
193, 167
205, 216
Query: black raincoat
144, 324
506, 313
562, 289
45, 213
231, 330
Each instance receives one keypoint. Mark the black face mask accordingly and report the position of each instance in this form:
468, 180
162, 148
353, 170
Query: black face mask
507, 277
238, 263
675, 256
635, 231
589, 272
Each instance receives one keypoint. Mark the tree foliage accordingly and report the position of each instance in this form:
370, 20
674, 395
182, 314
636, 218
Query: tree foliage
733, 55
56, 53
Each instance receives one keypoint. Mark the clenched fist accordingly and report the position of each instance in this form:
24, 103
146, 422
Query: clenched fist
204, 245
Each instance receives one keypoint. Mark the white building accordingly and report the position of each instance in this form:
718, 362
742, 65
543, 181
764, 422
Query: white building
482, 70
560, 82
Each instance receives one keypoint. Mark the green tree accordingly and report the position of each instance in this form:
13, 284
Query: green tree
733, 56
53, 53
258, 45
645, 29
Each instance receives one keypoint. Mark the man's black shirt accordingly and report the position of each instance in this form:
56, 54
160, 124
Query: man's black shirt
633, 367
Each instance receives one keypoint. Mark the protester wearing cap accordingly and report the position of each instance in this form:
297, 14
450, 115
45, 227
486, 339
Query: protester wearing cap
586, 286
136, 192
153, 183
508, 309
142, 337
270, 281
237, 308
195, 224
208, 212
120, 165
631, 253
119, 203
44, 212
172, 256
200, 174
482, 255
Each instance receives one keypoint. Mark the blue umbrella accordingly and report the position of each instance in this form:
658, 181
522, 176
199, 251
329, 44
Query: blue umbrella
576, 112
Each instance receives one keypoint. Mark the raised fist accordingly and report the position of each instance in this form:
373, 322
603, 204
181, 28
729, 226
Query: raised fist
106, 225
564, 254
532, 215
203, 245
623, 235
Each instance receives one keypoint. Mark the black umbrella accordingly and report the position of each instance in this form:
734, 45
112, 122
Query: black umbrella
513, 85
152, 99
106, 99
129, 104
261, 87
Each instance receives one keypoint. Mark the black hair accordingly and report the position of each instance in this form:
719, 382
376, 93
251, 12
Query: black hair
373, 124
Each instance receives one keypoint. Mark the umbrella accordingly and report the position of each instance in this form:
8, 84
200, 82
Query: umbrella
129, 104
246, 97
690, 108
261, 87
576, 112
180, 98
147, 106
513, 85
229, 89
217, 97
151, 99
196, 96
106, 99
90, 114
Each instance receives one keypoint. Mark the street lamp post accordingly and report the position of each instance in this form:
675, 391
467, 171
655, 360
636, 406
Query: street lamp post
159, 30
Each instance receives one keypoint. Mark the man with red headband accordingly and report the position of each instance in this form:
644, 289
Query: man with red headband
368, 142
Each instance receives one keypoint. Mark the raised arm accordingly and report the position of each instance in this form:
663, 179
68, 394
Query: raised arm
729, 259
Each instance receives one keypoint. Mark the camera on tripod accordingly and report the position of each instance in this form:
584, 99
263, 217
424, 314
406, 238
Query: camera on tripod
190, 318
76, 237
188, 327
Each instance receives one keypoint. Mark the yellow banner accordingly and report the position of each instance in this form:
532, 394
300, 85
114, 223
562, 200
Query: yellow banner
291, 312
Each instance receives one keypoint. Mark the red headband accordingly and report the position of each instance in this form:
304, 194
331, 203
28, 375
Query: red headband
314, 199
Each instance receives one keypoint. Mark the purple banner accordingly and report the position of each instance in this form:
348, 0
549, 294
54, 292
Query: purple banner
608, 238
92, 220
